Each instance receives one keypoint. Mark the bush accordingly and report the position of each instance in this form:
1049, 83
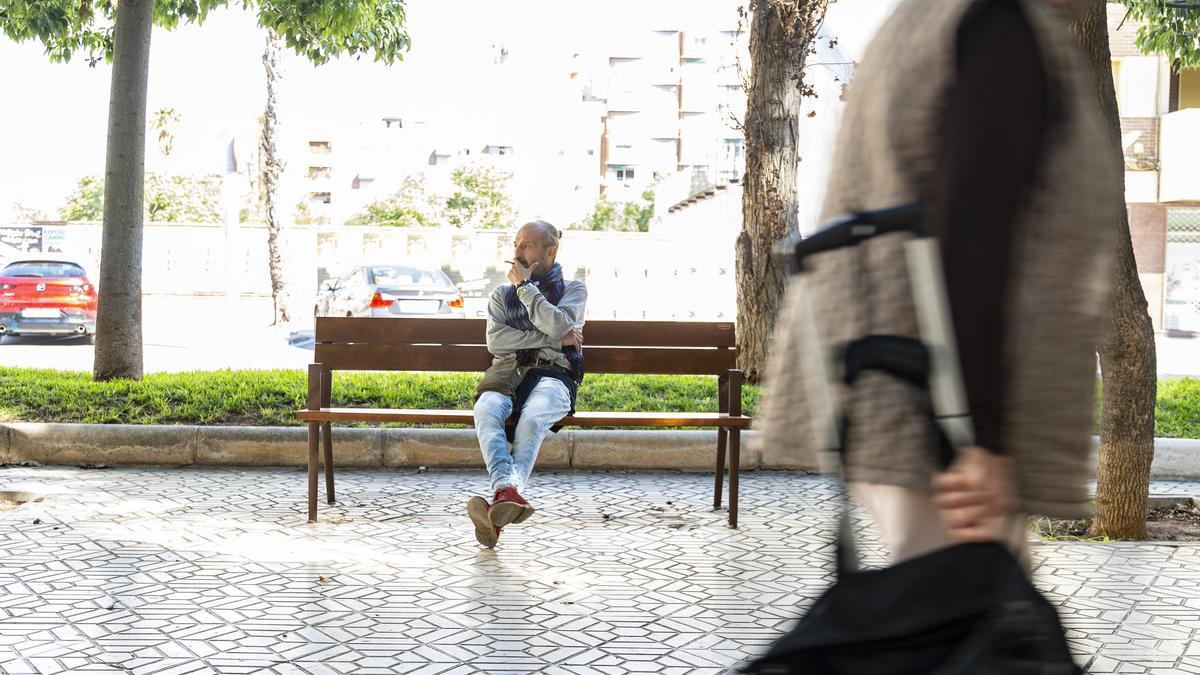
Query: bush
631, 217
168, 199
272, 397
410, 206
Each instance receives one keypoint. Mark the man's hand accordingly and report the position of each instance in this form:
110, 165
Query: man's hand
519, 273
573, 338
975, 496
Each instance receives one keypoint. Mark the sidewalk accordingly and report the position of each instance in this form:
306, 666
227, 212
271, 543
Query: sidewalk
215, 570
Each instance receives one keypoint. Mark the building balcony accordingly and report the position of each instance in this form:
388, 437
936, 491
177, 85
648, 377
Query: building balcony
1179, 156
698, 99
665, 74
624, 152
626, 99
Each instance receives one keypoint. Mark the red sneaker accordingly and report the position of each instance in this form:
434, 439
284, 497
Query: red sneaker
508, 506
485, 532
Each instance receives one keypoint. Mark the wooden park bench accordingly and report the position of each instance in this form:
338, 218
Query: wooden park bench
457, 345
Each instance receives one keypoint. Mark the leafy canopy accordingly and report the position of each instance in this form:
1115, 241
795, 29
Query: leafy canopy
1168, 27
316, 29
168, 199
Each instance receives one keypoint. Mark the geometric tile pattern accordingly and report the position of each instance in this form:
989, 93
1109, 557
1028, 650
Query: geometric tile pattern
215, 570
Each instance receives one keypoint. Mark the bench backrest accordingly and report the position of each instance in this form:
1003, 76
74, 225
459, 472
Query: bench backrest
458, 345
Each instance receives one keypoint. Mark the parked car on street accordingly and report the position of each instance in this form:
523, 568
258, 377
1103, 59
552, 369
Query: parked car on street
390, 290
46, 297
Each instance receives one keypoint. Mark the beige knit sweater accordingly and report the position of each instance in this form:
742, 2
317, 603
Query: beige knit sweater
886, 153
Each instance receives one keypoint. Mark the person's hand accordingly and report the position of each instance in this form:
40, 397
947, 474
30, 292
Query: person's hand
573, 338
975, 496
519, 273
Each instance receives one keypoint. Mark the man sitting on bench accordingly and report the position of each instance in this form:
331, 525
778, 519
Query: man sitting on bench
535, 334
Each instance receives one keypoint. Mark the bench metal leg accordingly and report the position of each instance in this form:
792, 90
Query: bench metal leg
735, 442
314, 439
327, 440
722, 433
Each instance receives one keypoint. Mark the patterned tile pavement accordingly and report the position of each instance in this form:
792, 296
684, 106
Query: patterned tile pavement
215, 570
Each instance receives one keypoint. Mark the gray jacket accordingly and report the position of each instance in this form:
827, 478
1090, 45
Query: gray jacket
553, 323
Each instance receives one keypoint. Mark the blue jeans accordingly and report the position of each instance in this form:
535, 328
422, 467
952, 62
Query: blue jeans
548, 403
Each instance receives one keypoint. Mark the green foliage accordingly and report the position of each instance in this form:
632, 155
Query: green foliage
1166, 29
87, 202
1178, 411
632, 216
272, 397
314, 29
167, 199
481, 199
411, 206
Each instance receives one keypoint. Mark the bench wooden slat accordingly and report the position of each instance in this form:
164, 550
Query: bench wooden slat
472, 332
453, 358
658, 334
461, 358
648, 419
401, 331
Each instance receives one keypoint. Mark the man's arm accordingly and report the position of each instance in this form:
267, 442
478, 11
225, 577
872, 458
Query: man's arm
504, 339
554, 321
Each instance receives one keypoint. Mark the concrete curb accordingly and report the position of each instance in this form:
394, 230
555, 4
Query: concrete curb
582, 449
164, 445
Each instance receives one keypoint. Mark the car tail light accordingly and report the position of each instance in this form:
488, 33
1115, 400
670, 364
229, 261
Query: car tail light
456, 303
377, 300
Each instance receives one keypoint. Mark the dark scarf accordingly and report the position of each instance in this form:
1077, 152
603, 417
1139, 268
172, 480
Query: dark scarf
552, 286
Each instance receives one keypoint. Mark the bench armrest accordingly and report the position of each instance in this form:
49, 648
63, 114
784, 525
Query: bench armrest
320, 386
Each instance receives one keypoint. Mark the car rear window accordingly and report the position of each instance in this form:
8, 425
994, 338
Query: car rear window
48, 270
406, 276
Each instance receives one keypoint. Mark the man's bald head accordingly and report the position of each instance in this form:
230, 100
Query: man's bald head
537, 242
548, 232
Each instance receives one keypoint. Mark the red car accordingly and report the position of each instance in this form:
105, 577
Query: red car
46, 297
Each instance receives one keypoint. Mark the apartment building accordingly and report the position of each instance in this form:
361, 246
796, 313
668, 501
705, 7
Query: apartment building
672, 99
1160, 136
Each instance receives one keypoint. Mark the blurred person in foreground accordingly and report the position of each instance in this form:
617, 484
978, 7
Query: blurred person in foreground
984, 113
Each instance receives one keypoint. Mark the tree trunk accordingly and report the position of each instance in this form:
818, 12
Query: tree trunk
1127, 351
781, 35
119, 314
271, 169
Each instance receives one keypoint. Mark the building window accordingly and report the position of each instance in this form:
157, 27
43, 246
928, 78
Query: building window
624, 175
320, 147
734, 149
320, 197
318, 172
390, 122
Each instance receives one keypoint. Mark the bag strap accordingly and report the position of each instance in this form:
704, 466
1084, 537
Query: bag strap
931, 362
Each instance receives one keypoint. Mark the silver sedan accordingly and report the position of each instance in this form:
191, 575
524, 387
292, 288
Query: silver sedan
390, 290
